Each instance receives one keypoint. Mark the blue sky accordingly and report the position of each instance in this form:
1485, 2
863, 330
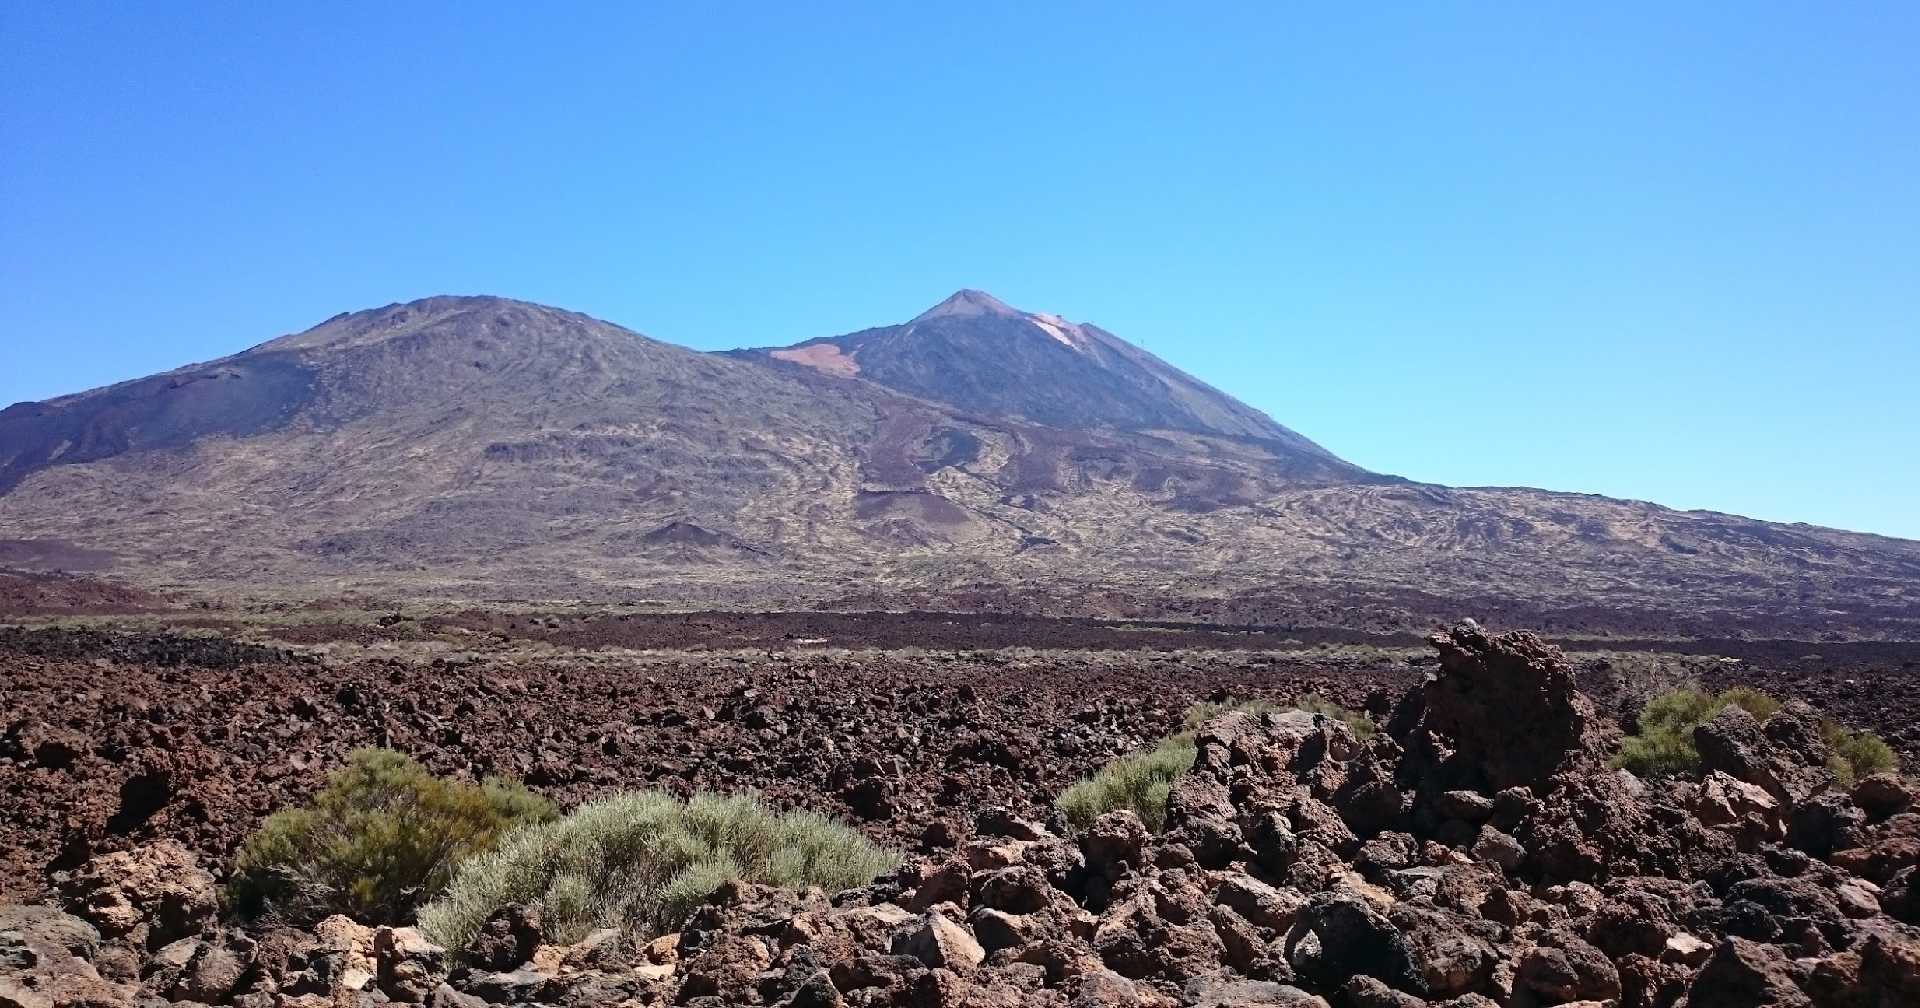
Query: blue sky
1659, 253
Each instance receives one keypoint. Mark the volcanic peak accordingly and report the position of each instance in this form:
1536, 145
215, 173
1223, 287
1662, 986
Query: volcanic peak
966, 303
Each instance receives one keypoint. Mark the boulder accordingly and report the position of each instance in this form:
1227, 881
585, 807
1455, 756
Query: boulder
1884, 795
1339, 936
407, 966
146, 897
1264, 905
1503, 712
1217, 991
1786, 756
1745, 974
1732, 743
1747, 812
1107, 989
200, 969
1114, 843
1900, 897
1158, 928
1825, 823
1564, 968
507, 940
1801, 899
1000, 822
930, 882
520, 986
940, 943
1019, 889
1884, 848
1596, 825
1450, 953
1366, 992
1497, 848
46, 960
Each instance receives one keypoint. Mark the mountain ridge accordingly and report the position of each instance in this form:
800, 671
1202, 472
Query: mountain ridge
484, 447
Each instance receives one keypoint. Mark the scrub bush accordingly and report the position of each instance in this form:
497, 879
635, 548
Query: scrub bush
642, 862
382, 838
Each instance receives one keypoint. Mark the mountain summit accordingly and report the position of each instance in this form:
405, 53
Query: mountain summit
977, 353
969, 302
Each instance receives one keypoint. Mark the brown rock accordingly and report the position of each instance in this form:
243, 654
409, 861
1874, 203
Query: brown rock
46, 961
407, 965
1264, 905
940, 943
507, 939
1497, 848
1568, 969
1449, 953
200, 969
931, 882
1885, 795
1745, 974
1339, 936
1504, 712
1745, 811
148, 896
1107, 989
1114, 842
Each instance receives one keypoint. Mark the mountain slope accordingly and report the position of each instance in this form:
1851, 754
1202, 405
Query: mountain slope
976, 353
486, 448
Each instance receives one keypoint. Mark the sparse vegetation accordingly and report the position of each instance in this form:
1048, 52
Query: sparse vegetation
1357, 722
643, 861
1663, 741
1206, 710
383, 837
1662, 744
1140, 781
1751, 700
1856, 754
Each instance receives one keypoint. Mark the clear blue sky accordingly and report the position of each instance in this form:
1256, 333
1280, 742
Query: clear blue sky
1660, 251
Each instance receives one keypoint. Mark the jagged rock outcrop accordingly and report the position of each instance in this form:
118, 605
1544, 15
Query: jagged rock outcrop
1503, 712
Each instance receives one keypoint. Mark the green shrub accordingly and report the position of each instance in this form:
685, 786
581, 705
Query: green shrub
643, 861
379, 840
1138, 781
1663, 743
1856, 754
1751, 700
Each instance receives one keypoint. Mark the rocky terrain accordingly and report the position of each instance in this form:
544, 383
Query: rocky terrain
117, 738
483, 449
1477, 851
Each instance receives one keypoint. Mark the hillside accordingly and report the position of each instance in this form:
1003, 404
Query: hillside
486, 448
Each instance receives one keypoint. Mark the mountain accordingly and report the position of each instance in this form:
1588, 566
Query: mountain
975, 353
475, 447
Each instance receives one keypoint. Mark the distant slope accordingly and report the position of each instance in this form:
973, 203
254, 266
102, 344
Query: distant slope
480, 447
976, 353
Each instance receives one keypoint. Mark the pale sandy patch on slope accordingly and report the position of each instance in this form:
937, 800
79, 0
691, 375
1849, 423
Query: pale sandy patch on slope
823, 357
